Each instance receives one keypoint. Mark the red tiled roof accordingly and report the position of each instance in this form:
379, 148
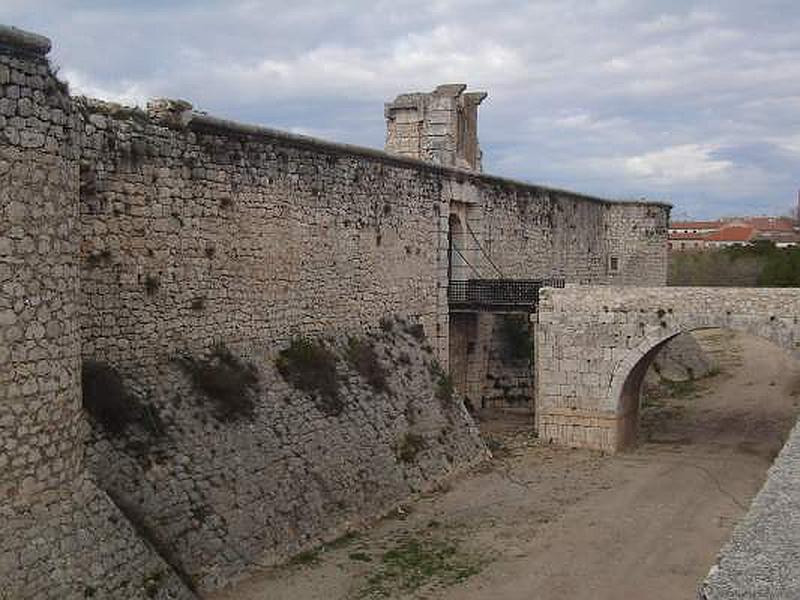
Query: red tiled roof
770, 223
695, 225
732, 233
680, 235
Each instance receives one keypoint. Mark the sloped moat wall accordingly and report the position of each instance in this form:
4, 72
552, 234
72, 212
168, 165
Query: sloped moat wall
218, 491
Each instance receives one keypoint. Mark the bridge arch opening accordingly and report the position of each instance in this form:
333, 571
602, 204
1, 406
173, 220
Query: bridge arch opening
628, 384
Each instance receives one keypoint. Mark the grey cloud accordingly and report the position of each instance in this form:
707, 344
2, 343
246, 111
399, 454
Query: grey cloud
692, 102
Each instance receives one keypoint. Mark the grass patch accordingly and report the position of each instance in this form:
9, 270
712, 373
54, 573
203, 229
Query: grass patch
414, 563
342, 541
361, 356
360, 556
444, 389
227, 381
111, 405
307, 558
310, 367
681, 389
409, 446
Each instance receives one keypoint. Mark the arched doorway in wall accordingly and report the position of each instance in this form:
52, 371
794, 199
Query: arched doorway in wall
457, 262
760, 355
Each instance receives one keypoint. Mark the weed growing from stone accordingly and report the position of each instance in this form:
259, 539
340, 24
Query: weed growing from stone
416, 330
386, 324
111, 405
444, 383
444, 389
97, 259
151, 284
409, 446
310, 367
230, 383
361, 356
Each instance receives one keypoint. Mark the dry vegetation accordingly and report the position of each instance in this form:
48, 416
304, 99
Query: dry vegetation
759, 265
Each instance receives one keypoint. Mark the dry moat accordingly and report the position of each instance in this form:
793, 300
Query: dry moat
551, 523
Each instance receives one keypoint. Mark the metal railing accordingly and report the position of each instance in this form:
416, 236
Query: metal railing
498, 294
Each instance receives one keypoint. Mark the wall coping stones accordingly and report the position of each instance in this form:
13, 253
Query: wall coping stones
205, 123
594, 299
762, 560
12, 38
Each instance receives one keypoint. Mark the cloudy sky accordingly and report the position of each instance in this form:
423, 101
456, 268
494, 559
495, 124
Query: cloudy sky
692, 102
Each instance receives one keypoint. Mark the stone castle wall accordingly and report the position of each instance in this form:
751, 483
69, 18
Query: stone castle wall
208, 233
522, 231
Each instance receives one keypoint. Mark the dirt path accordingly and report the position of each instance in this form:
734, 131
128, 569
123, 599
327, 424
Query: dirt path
546, 523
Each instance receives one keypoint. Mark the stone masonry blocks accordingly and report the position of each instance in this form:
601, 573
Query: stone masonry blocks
594, 342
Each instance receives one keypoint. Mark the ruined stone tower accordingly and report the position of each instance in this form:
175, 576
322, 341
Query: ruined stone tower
62, 537
39, 356
439, 127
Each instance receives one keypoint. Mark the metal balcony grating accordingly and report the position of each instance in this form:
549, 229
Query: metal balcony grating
497, 294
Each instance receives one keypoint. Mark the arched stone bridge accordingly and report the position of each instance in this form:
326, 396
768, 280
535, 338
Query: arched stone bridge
594, 344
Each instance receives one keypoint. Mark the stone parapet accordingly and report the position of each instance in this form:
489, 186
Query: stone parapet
762, 560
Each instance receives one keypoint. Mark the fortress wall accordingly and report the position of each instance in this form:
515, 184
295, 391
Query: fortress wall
210, 233
196, 231
535, 232
60, 536
636, 235
39, 383
273, 239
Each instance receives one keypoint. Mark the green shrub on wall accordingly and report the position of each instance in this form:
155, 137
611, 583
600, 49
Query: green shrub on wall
361, 356
109, 403
228, 382
311, 368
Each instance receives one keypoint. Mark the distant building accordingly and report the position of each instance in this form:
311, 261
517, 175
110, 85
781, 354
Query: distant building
731, 235
694, 227
736, 231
